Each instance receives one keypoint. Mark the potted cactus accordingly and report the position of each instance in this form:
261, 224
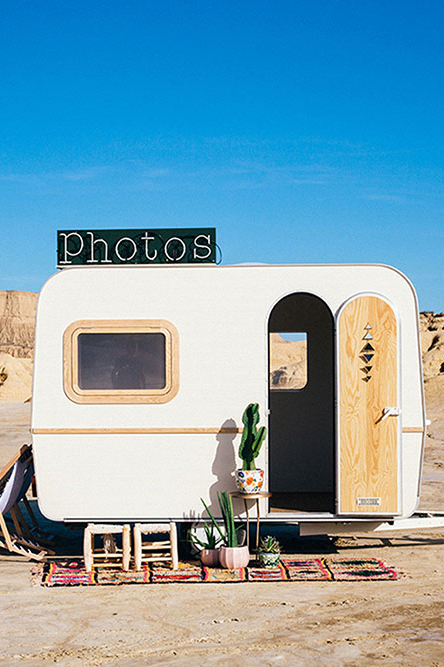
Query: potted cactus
269, 552
249, 478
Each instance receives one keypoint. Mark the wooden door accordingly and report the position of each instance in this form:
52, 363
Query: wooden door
368, 436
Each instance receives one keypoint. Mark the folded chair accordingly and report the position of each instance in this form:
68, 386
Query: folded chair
15, 479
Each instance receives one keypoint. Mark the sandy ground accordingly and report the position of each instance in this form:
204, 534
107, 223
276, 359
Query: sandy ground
302, 623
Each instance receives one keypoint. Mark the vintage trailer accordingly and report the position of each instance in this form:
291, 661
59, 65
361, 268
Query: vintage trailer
142, 374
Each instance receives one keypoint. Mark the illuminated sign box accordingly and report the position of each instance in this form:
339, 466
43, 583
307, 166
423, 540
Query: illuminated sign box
104, 247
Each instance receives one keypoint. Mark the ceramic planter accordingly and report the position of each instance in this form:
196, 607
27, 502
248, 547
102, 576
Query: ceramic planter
267, 559
250, 481
210, 557
233, 558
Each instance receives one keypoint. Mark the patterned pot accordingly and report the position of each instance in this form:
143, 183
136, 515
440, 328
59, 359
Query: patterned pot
250, 481
268, 559
210, 557
233, 558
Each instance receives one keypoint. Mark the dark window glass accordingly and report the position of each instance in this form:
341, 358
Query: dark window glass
121, 361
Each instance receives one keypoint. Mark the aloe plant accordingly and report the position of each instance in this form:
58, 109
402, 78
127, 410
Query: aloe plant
226, 507
211, 540
269, 545
252, 437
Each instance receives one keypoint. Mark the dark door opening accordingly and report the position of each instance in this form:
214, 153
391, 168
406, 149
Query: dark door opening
302, 405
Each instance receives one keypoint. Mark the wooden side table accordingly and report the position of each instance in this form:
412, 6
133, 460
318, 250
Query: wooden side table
256, 497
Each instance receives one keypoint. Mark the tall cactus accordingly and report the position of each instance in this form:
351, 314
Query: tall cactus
252, 437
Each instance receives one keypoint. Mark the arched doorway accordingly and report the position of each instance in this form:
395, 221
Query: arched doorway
302, 405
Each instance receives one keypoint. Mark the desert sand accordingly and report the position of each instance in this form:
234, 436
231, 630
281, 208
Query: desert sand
342, 623
301, 623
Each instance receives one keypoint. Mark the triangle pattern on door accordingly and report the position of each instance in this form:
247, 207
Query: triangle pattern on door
368, 348
368, 357
367, 326
368, 336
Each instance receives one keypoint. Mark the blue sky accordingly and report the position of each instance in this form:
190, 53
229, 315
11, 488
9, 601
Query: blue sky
305, 131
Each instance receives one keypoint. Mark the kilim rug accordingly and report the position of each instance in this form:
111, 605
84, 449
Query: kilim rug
355, 569
219, 575
307, 569
185, 574
71, 573
266, 573
54, 574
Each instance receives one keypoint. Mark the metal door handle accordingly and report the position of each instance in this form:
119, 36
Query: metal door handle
390, 412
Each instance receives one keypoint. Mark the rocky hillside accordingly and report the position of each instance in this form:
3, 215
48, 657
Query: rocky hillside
17, 321
432, 342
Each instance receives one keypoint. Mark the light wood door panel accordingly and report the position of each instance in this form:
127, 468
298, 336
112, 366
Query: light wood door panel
368, 444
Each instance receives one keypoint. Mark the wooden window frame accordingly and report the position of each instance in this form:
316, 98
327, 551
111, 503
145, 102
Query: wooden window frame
112, 396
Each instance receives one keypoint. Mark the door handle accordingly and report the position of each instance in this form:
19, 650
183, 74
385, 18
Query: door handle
390, 412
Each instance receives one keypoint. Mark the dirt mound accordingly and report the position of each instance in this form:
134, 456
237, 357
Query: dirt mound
17, 323
15, 378
432, 343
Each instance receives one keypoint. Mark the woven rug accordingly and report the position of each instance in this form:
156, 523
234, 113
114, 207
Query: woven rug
266, 573
185, 574
54, 574
308, 569
354, 569
219, 575
71, 573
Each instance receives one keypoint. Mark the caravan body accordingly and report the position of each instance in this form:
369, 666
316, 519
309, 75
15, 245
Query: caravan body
345, 435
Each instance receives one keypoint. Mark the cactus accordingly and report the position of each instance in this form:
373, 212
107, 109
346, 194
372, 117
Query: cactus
252, 437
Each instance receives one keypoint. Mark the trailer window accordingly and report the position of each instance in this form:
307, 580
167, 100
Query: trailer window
288, 360
121, 362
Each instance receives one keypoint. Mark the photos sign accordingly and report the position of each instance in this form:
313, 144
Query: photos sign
103, 247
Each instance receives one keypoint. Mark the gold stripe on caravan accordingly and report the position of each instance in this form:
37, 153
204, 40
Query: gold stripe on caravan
157, 431
130, 431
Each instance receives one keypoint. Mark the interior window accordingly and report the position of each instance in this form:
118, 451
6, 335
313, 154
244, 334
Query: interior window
288, 361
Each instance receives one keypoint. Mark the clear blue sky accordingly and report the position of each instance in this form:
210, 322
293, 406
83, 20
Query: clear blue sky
305, 131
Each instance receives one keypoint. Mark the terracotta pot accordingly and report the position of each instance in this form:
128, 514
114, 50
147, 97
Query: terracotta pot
233, 558
267, 559
210, 557
250, 481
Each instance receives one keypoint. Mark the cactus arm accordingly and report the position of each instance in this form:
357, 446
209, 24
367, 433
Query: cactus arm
252, 437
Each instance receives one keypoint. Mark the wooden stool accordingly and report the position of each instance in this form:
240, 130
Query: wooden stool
146, 552
110, 555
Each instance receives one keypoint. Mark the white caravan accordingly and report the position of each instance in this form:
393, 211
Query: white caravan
142, 374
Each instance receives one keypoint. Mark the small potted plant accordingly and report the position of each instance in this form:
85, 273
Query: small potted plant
269, 552
208, 545
231, 555
249, 478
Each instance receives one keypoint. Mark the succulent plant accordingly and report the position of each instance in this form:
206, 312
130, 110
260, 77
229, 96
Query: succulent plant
211, 540
252, 437
226, 507
269, 545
